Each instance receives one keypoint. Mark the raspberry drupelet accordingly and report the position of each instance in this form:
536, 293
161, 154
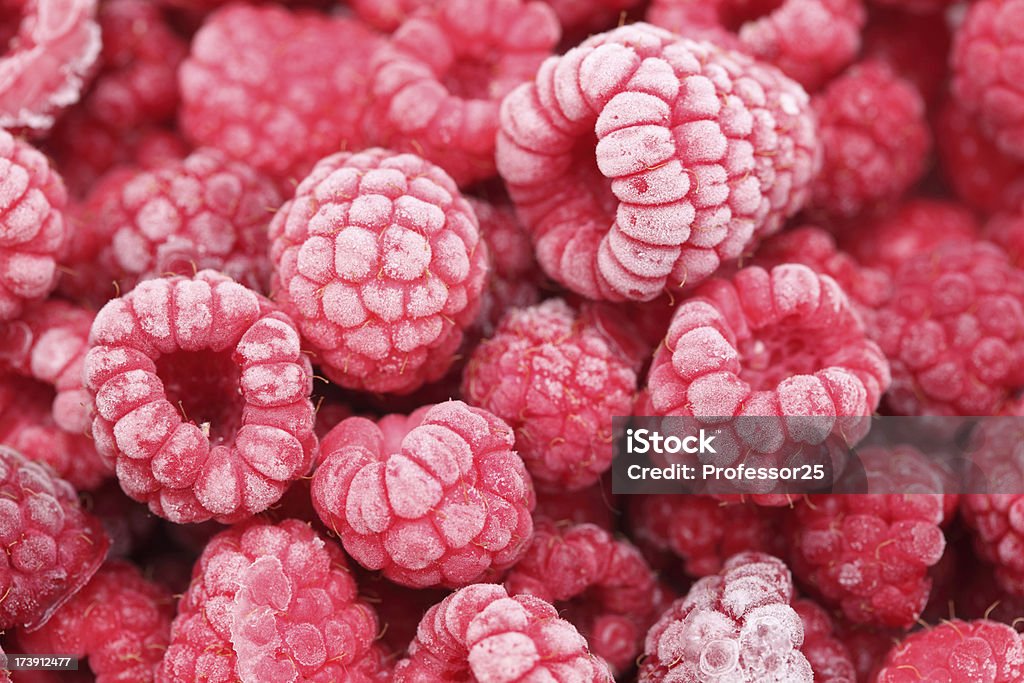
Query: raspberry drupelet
438, 498
825, 650
201, 394
379, 260
956, 651
640, 161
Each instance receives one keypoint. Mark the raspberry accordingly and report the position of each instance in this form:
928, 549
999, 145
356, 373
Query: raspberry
276, 89
438, 498
119, 620
51, 546
825, 651
480, 633
271, 603
557, 380
986, 51
438, 82
591, 505
875, 136
958, 652
379, 260
1007, 230
915, 46
51, 48
688, 164
201, 395
736, 625
33, 233
954, 332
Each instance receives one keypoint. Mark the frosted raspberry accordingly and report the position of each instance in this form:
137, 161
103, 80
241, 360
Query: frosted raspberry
201, 395
737, 625
271, 603
987, 50
479, 633
119, 620
825, 651
33, 232
954, 332
557, 380
697, 150
957, 652
379, 260
437, 83
915, 46
51, 48
51, 546
1007, 230
438, 498
875, 136
276, 89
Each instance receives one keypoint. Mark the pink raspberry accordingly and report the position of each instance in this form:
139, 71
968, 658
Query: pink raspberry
987, 50
276, 89
480, 633
438, 498
954, 332
915, 46
201, 395
1007, 230
379, 260
876, 140
603, 585
825, 651
51, 48
120, 621
33, 232
52, 547
697, 150
437, 83
272, 603
557, 379
956, 651
809, 40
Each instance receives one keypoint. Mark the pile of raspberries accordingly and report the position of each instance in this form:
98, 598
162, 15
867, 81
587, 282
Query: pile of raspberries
315, 314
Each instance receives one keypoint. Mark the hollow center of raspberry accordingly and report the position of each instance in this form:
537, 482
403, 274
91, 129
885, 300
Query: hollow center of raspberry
735, 13
471, 79
204, 385
777, 353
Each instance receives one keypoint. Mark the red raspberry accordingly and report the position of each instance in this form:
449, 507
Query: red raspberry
119, 620
592, 505
438, 498
201, 395
809, 40
915, 46
827, 653
737, 625
956, 652
1007, 230
557, 379
271, 603
876, 140
954, 332
379, 260
697, 150
33, 232
437, 83
51, 48
987, 51
479, 633
52, 547
277, 89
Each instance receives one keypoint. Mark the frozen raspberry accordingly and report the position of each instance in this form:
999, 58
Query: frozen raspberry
276, 89
271, 603
956, 652
119, 620
201, 395
915, 46
592, 505
602, 585
51, 48
876, 140
51, 547
828, 655
696, 150
810, 40
954, 332
735, 626
379, 260
33, 232
1007, 230
480, 633
557, 380
438, 498
987, 51
437, 83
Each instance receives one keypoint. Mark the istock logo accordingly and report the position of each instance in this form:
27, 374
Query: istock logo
641, 441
